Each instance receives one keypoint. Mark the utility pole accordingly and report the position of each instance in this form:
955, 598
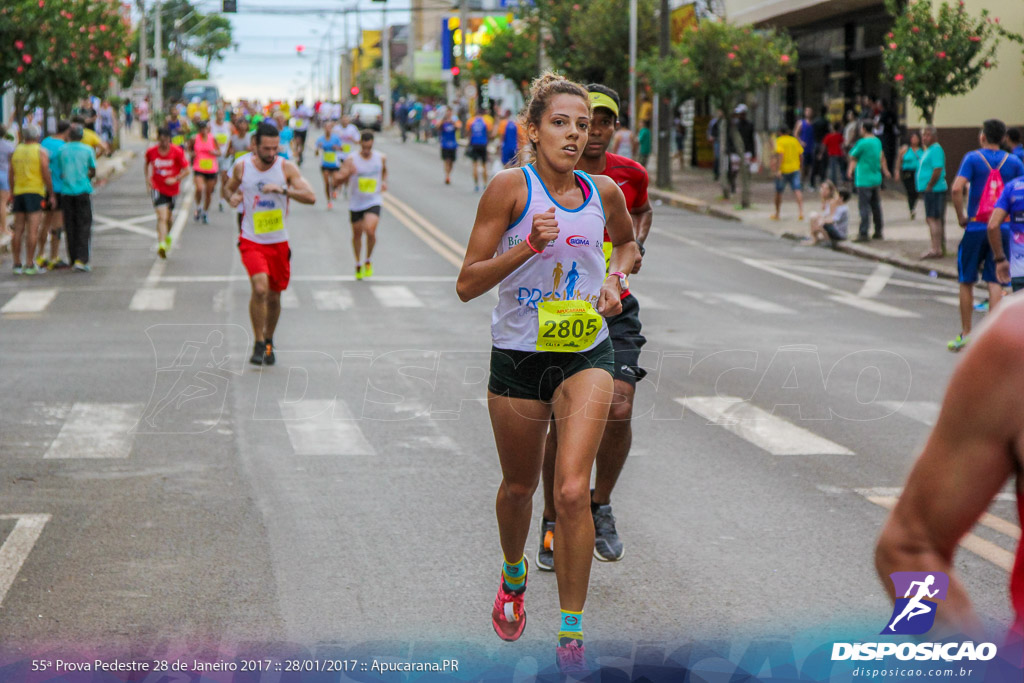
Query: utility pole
464, 27
632, 63
664, 174
386, 66
158, 57
143, 62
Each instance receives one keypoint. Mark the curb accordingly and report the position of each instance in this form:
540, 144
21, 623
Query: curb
698, 206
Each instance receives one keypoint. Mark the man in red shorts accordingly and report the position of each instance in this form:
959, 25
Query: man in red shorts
974, 449
263, 183
624, 330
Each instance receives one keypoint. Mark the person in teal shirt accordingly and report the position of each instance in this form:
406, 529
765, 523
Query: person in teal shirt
644, 140
867, 167
53, 219
77, 166
931, 183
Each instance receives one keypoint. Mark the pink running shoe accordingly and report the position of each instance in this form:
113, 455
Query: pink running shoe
509, 613
570, 658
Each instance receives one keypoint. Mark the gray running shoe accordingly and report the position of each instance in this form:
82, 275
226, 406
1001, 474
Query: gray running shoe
546, 553
607, 544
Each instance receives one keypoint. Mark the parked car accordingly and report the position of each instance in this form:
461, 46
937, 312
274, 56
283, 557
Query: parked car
366, 115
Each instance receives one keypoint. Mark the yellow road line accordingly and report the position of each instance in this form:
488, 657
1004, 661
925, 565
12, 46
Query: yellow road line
431, 237
987, 550
452, 243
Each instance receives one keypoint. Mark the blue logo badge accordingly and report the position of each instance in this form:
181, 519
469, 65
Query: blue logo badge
914, 613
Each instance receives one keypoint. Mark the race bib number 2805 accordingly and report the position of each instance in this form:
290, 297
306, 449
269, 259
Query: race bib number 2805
566, 325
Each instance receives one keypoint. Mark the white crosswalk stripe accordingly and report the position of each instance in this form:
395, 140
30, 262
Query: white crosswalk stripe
396, 296
332, 299
289, 299
96, 430
925, 412
30, 301
152, 299
323, 427
774, 434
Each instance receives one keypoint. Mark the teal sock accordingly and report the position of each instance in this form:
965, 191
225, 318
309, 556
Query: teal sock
514, 575
572, 627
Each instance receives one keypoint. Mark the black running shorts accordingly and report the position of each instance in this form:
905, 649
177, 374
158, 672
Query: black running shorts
534, 375
624, 330
356, 216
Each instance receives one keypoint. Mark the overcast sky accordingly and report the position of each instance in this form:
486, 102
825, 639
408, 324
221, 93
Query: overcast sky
266, 64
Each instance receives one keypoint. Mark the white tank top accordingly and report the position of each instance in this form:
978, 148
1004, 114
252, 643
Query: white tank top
264, 214
365, 186
568, 273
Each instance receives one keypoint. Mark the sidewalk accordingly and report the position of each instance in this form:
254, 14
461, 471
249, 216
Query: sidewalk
905, 239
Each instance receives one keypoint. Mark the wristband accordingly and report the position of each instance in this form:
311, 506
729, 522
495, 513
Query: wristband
535, 250
1001, 259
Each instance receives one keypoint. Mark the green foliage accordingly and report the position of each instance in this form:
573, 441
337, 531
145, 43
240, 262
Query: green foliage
421, 89
722, 61
513, 53
599, 45
179, 72
54, 52
934, 55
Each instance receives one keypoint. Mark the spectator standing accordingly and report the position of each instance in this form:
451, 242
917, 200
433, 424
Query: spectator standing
29, 177
129, 109
77, 164
868, 167
6, 150
931, 183
804, 132
888, 124
833, 144
746, 132
402, 117
107, 124
908, 162
976, 170
644, 142
143, 115
821, 128
713, 138
53, 218
786, 166
850, 132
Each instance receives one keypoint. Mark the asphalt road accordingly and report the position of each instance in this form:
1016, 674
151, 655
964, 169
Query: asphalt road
346, 495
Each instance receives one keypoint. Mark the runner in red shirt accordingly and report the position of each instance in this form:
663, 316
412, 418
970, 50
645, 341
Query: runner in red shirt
625, 332
166, 167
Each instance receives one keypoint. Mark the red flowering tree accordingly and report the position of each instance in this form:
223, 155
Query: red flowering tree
934, 54
61, 50
512, 53
725, 63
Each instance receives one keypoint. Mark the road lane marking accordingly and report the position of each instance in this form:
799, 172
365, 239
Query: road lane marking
152, 299
649, 303
17, 546
178, 227
450, 242
925, 412
774, 434
949, 300
289, 299
884, 491
332, 300
983, 548
837, 295
30, 301
747, 301
96, 430
324, 427
174, 279
440, 247
877, 281
396, 296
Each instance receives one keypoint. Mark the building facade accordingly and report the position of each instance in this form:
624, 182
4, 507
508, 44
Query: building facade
839, 45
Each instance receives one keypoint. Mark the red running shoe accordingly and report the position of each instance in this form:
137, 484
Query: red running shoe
509, 613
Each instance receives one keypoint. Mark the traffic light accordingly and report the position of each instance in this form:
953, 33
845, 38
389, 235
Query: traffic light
230, 6
455, 76
354, 90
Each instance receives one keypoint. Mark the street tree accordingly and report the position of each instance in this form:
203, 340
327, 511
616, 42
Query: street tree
512, 53
934, 54
724, 63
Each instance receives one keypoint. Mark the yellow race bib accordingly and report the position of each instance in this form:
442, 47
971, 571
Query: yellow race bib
238, 154
330, 157
206, 165
178, 140
346, 148
267, 221
566, 325
607, 246
221, 138
367, 185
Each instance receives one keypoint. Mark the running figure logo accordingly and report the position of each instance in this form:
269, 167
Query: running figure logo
914, 613
570, 281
